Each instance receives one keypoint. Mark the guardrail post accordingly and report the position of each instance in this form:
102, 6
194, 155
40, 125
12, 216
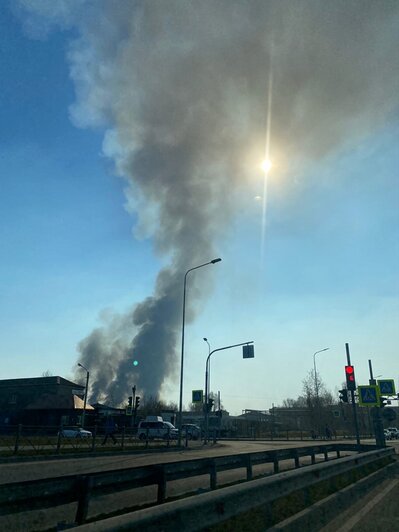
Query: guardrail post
296, 459
93, 439
249, 466
325, 452
161, 496
17, 438
276, 468
59, 439
146, 437
313, 457
168, 443
84, 484
213, 474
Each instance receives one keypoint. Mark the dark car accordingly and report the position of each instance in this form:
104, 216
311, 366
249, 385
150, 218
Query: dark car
193, 432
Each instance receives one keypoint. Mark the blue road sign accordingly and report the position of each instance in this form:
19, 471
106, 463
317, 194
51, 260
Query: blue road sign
197, 396
387, 386
368, 395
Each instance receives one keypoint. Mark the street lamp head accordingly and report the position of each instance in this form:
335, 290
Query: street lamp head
205, 339
214, 261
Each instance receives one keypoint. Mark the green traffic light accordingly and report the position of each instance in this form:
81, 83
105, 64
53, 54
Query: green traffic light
135, 363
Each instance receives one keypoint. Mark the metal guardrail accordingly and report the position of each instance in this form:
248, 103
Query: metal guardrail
233, 507
56, 491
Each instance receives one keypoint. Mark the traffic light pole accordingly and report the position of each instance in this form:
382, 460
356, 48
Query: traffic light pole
132, 419
376, 415
353, 399
207, 369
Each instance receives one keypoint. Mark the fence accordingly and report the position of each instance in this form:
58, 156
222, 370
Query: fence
50, 492
25, 440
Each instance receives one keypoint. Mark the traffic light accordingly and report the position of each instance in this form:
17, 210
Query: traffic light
130, 401
211, 402
137, 402
343, 395
350, 378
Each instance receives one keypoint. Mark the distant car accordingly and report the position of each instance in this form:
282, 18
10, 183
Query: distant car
156, 430
75, 433
193, 432
394, 432
387, 434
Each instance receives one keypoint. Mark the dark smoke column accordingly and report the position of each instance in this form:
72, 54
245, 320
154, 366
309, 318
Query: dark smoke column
180, 88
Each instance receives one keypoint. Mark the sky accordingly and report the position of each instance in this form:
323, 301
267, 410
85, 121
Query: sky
131, 141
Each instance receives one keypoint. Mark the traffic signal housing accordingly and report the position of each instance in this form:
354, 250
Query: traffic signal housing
343, 395
350, 378
137, 402
130, 401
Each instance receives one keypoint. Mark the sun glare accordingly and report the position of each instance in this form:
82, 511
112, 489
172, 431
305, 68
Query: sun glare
266, 165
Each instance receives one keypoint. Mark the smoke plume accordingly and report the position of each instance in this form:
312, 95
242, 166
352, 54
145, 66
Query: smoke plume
180, 86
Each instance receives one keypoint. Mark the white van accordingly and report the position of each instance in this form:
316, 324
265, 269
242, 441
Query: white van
155, 428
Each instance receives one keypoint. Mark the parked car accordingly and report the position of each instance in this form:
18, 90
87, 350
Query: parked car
75, 432
193, 432
387, 434
156, 430
394, 432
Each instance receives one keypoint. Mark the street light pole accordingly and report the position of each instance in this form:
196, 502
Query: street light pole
214, 261
207, 378
86, 390
315, 372
207, 371
316, 384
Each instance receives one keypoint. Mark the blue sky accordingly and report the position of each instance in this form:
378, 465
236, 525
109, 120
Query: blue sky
69, 255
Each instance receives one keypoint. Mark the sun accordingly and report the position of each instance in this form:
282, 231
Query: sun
266, 165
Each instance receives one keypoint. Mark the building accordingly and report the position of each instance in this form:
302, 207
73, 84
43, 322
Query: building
41, 401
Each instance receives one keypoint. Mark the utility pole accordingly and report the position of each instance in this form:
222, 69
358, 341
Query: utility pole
353, 399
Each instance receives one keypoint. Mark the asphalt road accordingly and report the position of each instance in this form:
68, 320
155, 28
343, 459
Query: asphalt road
19, 471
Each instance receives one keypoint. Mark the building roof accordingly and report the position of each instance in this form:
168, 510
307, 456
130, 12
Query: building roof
39, 381
49, 401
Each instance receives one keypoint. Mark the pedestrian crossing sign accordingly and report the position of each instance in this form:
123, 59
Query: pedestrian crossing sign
369, 395
387, 386
198, 396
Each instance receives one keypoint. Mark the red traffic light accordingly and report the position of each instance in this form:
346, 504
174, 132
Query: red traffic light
350, 377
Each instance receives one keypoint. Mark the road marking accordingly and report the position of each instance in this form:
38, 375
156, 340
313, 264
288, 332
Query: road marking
366, 509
